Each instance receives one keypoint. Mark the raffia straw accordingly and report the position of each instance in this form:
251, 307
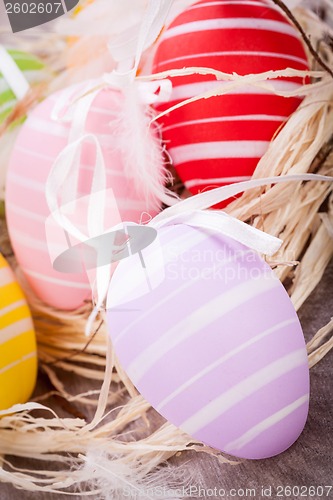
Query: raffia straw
290, 211
321, 352
319, 337
21, 109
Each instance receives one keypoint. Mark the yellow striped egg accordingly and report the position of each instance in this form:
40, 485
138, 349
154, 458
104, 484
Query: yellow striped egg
18, 354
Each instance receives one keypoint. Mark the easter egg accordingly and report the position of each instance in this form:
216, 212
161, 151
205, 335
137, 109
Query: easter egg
18, 356
34, 71
39, 143
218, 141
7, 141
209, 336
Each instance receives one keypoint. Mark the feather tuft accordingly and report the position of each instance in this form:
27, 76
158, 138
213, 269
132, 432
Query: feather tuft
114, 479
143, 153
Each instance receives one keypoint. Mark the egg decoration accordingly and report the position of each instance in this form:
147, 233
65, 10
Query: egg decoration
18, 356
209, 336
218, 141
33, 69
39, 143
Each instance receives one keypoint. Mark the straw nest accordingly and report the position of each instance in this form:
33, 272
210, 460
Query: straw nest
110, 417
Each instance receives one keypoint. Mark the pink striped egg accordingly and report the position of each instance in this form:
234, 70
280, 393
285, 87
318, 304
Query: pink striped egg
39, 143
217, 141
209, 336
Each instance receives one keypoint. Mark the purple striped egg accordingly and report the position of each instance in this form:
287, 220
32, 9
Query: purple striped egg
210, 338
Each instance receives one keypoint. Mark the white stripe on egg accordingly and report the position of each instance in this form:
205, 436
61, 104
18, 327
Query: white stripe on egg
22, 212
15, 329
219, 180
243, 389
197, 321
6, 276
154, 262
223, 359
53, 128
231, 2
110, 171
222, 119
18, 362
266, 424
189, 90
28, 241
12, 307
231, 23
218, 149
234, 53
178, 291
122, 203
55, 281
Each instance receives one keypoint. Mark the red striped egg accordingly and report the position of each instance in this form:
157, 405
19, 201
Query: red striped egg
220, 140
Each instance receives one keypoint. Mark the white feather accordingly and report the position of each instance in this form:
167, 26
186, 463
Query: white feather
142, 149
114, 479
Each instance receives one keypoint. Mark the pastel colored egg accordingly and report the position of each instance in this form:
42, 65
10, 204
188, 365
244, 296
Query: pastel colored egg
40, 141
7, 142
209, 336
217, 141
34, 71
18, 356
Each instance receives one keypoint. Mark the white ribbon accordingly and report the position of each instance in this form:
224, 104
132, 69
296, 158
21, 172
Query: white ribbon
220, 222
193, 211
13, 75
210, 198
58, 178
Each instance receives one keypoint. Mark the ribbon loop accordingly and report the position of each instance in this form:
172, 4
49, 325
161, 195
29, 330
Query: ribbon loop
58, 177
225, 224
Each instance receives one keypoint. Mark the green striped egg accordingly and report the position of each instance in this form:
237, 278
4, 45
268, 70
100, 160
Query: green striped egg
34, 71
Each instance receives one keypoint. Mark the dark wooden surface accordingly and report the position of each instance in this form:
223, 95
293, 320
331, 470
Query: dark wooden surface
308, 462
